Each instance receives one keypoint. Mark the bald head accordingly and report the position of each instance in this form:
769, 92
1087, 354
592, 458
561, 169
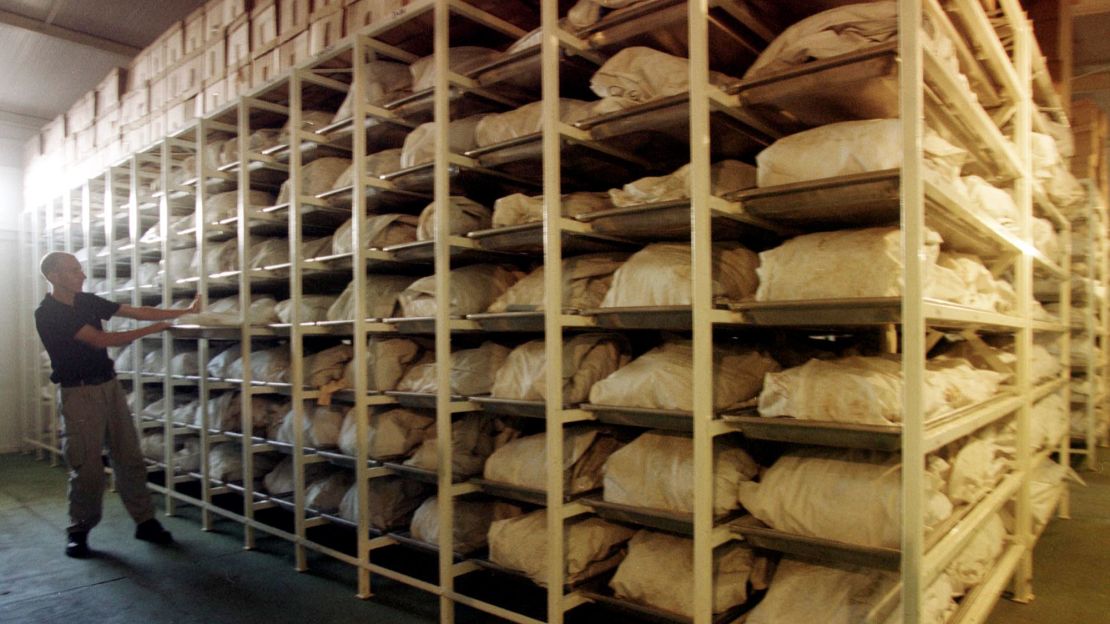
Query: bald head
63, 271
54, 261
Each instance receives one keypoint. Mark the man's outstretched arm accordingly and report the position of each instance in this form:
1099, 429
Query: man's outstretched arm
102, 339
146, 313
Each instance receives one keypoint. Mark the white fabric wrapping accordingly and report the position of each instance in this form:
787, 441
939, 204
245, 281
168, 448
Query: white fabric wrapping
387, 359
182, 263
523, 462
313, 308
462, 60
279, 481
657, 470
326, 494
381, 298
659, 275
662, 378
225, 411
586, 12
1046, 485
317, 177
311, 121
473, 289
592, 546
471, 524
636, 75
381, 231
467, 215
473, 438
390, 433
1045, 238
472, 371
1048, 421
391, 502
321, 424
271, 365
851, 147
658, 571
217, 366
382, 81
587, 359
518, 208
186, 455
976, 468
419, 147
842, 595
1044, 364
326, 366
184, 363
805, 490
222, 413
225, 462
258, 141
971, 565
154, 361
526, 120
268, 252
377, 165
726, 176
976, 286
829, 33
226, 312
226, 205
992, 201
586, 280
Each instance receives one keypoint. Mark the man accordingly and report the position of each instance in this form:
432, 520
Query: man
93, 405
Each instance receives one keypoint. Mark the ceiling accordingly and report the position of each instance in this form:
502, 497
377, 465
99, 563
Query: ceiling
57, 50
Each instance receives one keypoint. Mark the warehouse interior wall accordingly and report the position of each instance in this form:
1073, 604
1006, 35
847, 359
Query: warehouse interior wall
11, 200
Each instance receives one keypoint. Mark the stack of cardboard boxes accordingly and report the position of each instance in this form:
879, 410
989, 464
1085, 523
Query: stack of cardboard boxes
218, 53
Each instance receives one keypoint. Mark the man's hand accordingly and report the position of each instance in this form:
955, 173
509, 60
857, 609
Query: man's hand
196, 306
161, 326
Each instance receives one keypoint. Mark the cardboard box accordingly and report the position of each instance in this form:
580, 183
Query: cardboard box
82, 114
69, 149
215, 60
180, 114
136, 135
54, 135
156, 57
293, 18
324, 33
138, 71
214, 96
323, 8
238, 49
174, 44
238, 82
108, 127
159, 94
265, 68
111, 89
157, 126
135, 105
363, 13
294, 52
264, 26
195, 37
32, 149
86, 142
187, 78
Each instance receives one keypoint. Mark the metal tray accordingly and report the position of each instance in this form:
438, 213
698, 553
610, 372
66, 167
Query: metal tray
419, 474
377, 199
523, 494
671, 420
857, 85
521, 72
420, 324
424, 252
405, 538
462, 102
511, 407
672, 318
671, 221
585, 164
840, 435
760, 535
419, 400
481, 184
862, 200
818, 313
670, 521
381, 134
310, 151
528, 238
509, 321
645, 613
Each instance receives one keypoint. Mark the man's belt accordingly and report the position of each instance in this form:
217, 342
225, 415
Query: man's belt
90, 381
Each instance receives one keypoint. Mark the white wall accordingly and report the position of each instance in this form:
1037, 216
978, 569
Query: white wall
11, 373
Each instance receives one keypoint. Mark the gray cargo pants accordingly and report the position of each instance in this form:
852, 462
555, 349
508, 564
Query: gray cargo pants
93, 415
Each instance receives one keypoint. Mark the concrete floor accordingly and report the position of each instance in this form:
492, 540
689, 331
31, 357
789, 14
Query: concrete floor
207, 577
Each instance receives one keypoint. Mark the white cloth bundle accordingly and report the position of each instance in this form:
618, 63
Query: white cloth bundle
523, 462
657, 470
186, 455
518, 208
1045, 238
186, 413
381, 231
466, 214
992, 201
145, 275
726, 176
587, 359
420, 144
390, 433
1051, 174
154, 361
586, 279
391, 502
829, 33
313, 308
267, 252
976, 468
326, 494
226, 312
326, 366
270, 365
662, 378
317, 177
181, 264
461, 60
311, 121
1044, 364
382, 81
218, 258
659, 572
526, 120
226, 205
157, 407
473, 438
1046, 485
971, 565
378, 164
851, 147
225, 463
471, 524
804, 492
473, 289
217, 366
1048, 421
660, 275
223, 412
843, 594
279, 481
636, 75
586, 12
184, 363
472, 371
592, 546
321, 424
387, 359
258, 141
381, 298
973, 284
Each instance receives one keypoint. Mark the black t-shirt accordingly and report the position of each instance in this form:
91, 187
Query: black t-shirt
58, 323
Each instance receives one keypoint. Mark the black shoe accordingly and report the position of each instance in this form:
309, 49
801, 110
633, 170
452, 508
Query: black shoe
77, 545
152, 531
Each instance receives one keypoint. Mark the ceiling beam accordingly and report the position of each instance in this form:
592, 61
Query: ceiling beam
73, 36
1090, 7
